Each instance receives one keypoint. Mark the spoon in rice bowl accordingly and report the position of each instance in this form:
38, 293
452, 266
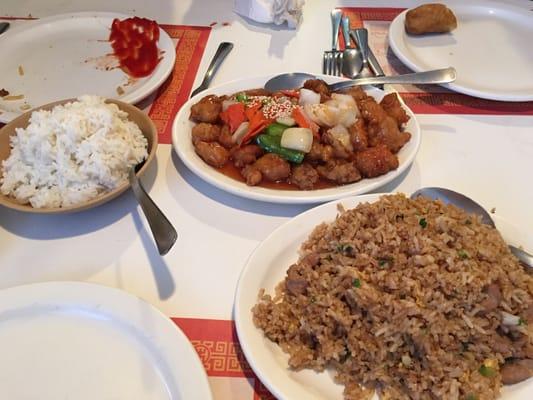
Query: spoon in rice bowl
164, 233
460, 200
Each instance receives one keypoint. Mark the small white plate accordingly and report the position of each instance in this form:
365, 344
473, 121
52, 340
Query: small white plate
65, 56
181, 140
267, 266
490, 49
72, 340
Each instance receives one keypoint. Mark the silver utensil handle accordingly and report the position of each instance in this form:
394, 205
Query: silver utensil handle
361, 37
164, 233
345, 26
522, 255
336, 16
437, 76
4, 27
223, 50
374, 64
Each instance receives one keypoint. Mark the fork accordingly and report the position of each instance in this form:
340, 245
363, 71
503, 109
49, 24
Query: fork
333, 58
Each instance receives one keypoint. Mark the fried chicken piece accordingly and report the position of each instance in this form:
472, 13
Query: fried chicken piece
304, 176
320, 87
252, 175
358, 135
339, 139
430, 18
392, 106
319, 152
386, 132
376, 161
273, 167
212, 153
356, 92
371, 111
204, 132
339, 171
257, 92
207, 109
225, 138
246, 155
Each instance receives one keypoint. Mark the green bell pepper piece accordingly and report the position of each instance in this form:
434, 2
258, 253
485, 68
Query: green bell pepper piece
272, 144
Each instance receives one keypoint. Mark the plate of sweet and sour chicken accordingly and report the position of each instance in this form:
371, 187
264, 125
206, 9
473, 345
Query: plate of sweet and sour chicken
306, 145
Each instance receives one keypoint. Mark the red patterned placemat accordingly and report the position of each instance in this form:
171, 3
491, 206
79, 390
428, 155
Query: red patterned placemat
423, 100
220, 352
176, 90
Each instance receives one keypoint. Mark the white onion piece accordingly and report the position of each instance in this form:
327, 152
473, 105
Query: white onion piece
300, 139
308, 97
340, 133
510, 319
323, 114
344, 100
227, 103
287, 121
240, 132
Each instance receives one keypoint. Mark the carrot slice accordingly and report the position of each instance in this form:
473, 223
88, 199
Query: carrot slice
303, 121
234, 116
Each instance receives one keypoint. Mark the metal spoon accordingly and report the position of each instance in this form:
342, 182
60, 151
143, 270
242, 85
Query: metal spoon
4, 26
352, 62
470, 206
223, 50
361, 37
164, 233
297, 79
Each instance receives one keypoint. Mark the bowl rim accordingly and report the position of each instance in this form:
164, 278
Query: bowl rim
150, 133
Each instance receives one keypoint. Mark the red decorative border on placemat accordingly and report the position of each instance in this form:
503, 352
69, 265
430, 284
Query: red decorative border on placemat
437, 103
175, 91
217, 345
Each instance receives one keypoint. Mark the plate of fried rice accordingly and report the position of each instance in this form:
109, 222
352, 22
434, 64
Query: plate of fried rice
382, 296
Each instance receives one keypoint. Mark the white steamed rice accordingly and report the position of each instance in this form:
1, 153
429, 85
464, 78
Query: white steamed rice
72, 154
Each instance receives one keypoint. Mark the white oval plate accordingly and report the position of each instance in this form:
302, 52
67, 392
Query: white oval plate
72, 340
267, 266
181, 139
59, 56
490, 49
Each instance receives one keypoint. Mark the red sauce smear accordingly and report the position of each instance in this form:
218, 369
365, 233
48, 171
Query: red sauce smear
134, 43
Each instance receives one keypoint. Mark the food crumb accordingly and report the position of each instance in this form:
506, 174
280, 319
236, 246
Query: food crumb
120, 91
493, 210
213, 23
21, 70
3, 92
226, 23
14, 97
25, 107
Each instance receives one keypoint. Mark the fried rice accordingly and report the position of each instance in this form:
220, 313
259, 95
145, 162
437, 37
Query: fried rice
412, 299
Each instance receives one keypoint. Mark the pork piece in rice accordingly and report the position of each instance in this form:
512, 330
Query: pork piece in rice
411, 299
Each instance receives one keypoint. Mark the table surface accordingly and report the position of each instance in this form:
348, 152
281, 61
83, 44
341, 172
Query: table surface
486, 157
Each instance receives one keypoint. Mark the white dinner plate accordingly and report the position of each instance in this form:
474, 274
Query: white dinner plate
72, 340
65, 56
490, 49
181, 140
267, 266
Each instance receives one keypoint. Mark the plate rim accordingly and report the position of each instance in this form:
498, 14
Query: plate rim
247, 331
152, 83
120, 302
396, 28
182, 145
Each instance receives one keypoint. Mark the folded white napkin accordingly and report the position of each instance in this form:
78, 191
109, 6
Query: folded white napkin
271, 11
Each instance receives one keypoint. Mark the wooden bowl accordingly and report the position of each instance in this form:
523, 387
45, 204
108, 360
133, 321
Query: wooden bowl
134, 114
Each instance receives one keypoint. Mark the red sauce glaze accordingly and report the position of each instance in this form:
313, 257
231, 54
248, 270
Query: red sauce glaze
134, 43
231, 171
